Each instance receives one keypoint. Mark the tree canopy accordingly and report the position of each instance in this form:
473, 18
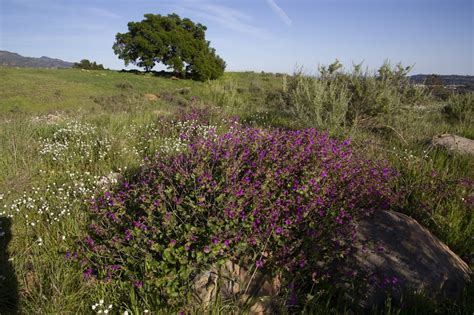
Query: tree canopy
88, 65
179, 44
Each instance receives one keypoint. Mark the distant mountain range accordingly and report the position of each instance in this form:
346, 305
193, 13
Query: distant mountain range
10, 59
466, 80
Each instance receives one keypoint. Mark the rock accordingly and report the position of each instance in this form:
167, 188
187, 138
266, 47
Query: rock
231, 281
151, 97
205, 287
389, 245
409, 255
454, 143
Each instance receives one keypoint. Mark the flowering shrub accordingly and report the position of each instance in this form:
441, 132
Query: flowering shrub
282, 200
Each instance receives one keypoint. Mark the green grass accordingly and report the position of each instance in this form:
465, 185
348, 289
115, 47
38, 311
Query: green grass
39, 90
114, 104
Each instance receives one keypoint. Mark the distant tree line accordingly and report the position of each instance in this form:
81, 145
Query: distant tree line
88, 65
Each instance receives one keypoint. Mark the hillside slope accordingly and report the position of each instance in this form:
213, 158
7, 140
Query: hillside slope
11, 59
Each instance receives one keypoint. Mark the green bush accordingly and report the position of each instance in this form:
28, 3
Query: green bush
460, 107
225, 94
88, 65
335, 98
318, 103
382, 93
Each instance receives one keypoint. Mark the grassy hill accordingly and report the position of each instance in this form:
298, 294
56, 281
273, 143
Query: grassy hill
65, 133
36, 90
39, 90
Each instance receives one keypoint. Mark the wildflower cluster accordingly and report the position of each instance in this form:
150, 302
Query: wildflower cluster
411, 157
283, 200
168, 136
143, 138
52, 202
75, 141
101, 308
187, 131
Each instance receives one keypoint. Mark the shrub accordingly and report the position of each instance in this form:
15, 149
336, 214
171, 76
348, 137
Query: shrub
317, 103
383, 93
225, 94
127, 86
460, 107
335, 99
285, 201
88, 65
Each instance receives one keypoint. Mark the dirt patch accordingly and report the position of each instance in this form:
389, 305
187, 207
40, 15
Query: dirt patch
152, 97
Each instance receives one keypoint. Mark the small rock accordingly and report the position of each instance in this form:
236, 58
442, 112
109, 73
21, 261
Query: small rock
454, 143
151, 97
237, 283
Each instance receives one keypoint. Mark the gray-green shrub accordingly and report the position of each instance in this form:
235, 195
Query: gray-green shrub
334, 98
318, 103
460, 107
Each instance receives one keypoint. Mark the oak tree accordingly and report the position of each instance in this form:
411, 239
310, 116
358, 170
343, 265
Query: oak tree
179, 44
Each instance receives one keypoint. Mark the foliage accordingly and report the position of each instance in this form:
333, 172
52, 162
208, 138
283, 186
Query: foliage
434, 80
180, 44
224, 94
336, 99
317, 103
383, 93
460, 107
35, 103
286, 200
435, 85
438, 196
88, 65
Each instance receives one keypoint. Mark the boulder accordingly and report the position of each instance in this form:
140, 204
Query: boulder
408, 258
394, 251
246, 288
454, 143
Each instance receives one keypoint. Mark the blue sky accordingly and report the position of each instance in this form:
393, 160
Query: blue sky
270, 35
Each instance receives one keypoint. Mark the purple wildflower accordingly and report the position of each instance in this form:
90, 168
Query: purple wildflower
138, 284
88, 273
